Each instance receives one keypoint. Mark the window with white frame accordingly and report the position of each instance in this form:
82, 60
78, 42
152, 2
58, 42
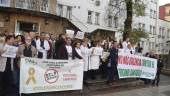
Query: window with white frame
150, 45
116, 21
60, 10
150, 29
163, 33
69, 12
5, 3
89, 18
44, 5
143, 26
154, 30
151, 13
153, 45
139, 25
160, 31
97, 18
21, 4
32, 4
142, 43
168, 33
110, 20
155, 14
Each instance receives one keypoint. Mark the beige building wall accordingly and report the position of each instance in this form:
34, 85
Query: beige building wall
45, 24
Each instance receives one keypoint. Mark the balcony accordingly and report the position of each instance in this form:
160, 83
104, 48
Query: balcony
35, 5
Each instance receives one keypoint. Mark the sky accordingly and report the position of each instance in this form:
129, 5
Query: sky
162, 2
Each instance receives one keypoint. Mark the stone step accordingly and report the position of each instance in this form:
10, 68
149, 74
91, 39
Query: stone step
102, 87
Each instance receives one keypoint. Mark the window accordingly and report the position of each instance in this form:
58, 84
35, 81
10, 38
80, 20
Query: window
116, 22
143, 26
97, 18
168, 33
25, 27
160, 31
153, 45
5, 3
60, 10
150, 44
89, 19
32, 4
155, 14
163, 34
150, 29
21, 4
139, 25
154, 30
44, 5
142, 43
69, 12
110, 19
151, 13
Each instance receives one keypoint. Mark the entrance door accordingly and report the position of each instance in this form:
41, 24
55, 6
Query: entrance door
22, 27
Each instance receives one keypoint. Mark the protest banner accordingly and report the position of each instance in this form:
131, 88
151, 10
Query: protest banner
133, 66
42, 75
10, 51
70, 33
79, 35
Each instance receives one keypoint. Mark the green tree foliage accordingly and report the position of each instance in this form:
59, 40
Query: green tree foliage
137, 7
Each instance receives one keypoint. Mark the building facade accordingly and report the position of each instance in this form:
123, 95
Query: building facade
19, 16
91, 16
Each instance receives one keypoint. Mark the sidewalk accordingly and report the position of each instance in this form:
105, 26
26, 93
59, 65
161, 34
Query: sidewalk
166, 71
95, 86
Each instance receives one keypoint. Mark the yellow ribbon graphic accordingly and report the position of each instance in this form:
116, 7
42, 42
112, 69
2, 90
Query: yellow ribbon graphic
31, 73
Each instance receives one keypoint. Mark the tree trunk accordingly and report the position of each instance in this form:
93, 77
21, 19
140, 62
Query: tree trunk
128, 21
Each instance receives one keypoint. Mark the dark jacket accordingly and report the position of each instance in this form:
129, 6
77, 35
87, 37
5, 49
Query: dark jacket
113, 57
58, 44
76, 55
62, 53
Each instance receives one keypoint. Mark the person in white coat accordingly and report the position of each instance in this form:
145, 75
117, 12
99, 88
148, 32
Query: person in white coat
128, 50
42, 46
125, 43
96, 53
86, 57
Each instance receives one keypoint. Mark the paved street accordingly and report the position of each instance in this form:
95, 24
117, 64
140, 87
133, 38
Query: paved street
162, 90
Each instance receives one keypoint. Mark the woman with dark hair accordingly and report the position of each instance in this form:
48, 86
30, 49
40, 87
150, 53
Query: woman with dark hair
65, 51
77, 51
59, 43
21, 39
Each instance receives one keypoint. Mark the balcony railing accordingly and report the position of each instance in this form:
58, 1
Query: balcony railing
36, 5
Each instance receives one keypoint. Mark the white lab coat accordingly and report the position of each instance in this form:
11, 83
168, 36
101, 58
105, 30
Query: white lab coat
86, 57
95, 58
40, 49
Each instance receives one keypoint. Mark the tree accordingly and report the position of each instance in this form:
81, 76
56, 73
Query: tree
130, 8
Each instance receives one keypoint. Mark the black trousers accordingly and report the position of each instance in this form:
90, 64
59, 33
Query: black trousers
6, 82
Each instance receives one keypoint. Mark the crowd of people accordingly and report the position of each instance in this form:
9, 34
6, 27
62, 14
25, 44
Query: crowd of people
100, 57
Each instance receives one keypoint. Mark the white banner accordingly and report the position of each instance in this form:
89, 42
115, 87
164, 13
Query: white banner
70, 33
133, 66
42, 75
10, 51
